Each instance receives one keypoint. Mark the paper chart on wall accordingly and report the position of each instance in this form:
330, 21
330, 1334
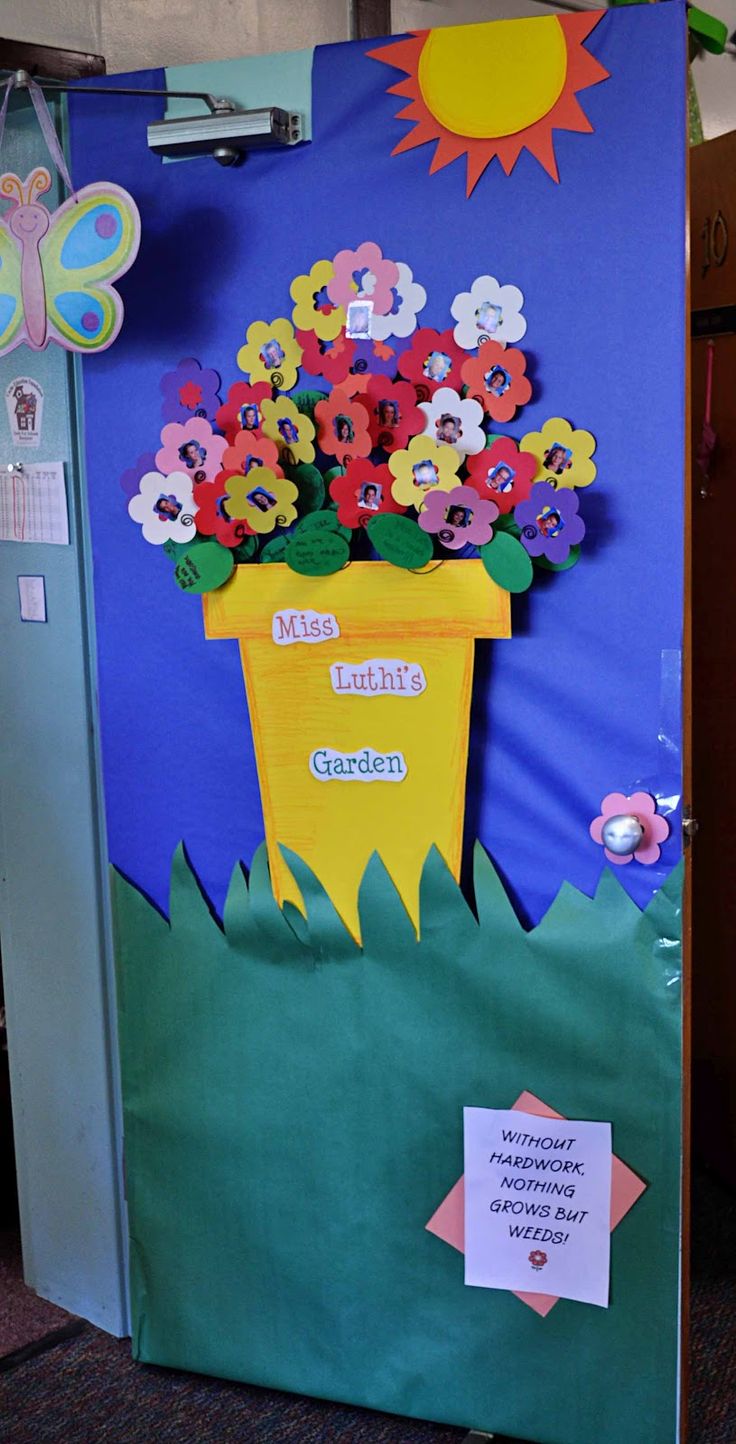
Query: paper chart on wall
33, 504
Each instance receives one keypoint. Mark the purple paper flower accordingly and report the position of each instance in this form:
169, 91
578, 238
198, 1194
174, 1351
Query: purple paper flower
549, 521
190, 391
378, 358
130, 479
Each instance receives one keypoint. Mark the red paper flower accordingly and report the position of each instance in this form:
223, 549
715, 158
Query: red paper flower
190, 395
331, 359
249, 450
502, 473
537, 1258
496, 378
433, 359
242, 410
342, 427
212, 519
362, 492
393, 414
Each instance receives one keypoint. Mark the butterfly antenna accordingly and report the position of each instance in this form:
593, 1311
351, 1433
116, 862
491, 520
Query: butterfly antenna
38, 181
10, 185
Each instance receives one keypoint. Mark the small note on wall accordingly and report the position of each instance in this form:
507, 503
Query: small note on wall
537, 1204
33, 503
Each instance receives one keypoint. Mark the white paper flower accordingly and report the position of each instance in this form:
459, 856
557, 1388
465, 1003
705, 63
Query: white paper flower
455, 422
410, 299
488, 312
164, 507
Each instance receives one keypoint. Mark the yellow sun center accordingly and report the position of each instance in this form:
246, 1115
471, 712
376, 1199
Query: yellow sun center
493, 80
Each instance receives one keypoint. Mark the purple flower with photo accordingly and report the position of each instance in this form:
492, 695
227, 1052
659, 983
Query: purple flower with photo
189, 391
130, 479
549, 521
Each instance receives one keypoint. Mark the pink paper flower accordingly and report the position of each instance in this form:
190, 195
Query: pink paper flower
364, 274
459, 516
640, 805
192, 447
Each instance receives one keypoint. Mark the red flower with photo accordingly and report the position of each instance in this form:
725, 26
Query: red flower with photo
342, 427
433, 359
502, 473
249, 450
331, 359
242, 410
393, 413
496, 377
212, 519
362, 492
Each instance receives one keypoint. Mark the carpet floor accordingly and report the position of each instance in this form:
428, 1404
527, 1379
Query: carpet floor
88, 1390
24, 1317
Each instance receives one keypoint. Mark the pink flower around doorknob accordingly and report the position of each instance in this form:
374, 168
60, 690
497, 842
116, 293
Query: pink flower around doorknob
640, 805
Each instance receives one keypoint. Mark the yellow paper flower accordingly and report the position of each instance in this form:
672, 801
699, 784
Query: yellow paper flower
292, 431
425, 466
263, 500
563, 455
271, 353
314, 311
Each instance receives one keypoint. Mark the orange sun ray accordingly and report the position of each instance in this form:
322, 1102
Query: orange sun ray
578, 70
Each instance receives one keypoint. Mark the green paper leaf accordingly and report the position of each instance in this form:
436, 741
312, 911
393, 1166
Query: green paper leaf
548, 566
505, 522
317, 553
332, 473
322, 521
399, 540
246, 549
508, 563
275, 550
305, 401
310, 485
175, 550
204, 568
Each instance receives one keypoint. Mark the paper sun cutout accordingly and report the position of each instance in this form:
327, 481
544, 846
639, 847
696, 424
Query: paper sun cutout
191, 446
488, 312
362, 492
563, 455
458, 517
496, 377
164, 507
342, 427
424, 465
642, 808
454, 422
292, 431
549, 522
409, 299
502, 473
265, 502
493, 89
271, 353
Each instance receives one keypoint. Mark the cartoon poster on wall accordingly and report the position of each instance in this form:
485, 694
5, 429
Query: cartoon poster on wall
389, 605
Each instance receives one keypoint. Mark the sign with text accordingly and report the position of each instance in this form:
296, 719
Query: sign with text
537, 1204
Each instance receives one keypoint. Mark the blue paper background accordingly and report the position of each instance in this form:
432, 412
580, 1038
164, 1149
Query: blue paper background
573, 706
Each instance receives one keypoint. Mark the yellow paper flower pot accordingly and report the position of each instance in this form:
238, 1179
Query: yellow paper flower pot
335, 822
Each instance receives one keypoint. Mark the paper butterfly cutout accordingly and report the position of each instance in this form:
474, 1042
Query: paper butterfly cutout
56, 269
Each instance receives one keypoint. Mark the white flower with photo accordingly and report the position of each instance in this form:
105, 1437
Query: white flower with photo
411, 298
488, 312
454, 422
164, 507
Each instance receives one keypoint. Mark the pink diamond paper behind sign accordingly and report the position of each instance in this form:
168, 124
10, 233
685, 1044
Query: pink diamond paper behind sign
448, 1222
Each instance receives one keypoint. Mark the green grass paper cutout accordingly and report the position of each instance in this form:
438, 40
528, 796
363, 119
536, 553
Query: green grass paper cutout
293, 1117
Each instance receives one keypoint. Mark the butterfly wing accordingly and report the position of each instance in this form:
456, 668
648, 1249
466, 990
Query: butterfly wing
12, 330
93, 238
